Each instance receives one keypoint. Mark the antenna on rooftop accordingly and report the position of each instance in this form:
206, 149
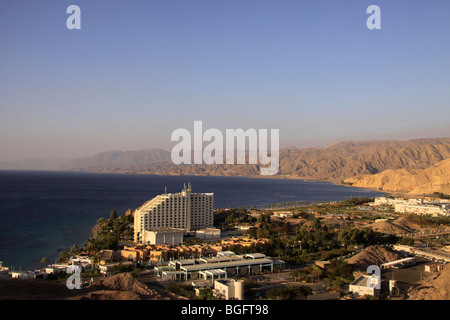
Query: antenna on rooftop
165, 190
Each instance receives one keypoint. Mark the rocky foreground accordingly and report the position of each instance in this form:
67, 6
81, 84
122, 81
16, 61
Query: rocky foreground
119, 287
435, 287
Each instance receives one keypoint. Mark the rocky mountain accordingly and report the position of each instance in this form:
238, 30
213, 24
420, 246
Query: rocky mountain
415, 181
348, 159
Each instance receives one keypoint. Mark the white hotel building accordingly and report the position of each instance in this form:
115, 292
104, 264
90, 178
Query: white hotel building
418, 206
185, 211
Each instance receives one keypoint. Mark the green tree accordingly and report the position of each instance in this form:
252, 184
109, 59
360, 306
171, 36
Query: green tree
407, 241
101, 220
339, 269
289, 293
74, 250
63, 256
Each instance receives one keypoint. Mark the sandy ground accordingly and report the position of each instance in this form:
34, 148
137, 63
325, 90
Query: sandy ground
435, 287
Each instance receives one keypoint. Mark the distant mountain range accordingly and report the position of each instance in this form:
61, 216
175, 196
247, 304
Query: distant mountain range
336, 162
110, 161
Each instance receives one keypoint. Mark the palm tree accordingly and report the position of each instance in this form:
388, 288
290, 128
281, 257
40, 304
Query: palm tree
113, 215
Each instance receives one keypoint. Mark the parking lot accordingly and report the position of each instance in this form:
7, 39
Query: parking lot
412, 274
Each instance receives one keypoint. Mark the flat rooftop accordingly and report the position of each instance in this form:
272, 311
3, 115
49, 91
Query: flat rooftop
221, 259
166, 230
361, 281
227, 264
215, 272
256, 255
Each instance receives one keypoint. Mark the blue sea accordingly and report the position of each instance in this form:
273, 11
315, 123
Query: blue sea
42, 212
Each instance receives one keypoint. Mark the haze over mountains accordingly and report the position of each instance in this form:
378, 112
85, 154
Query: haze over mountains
336, 162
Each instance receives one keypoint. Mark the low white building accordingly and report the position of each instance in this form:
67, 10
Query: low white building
56, 268
22, 274
283, 214
432, 209
229, 289
362, 287
82, 261
168, 236
208, 233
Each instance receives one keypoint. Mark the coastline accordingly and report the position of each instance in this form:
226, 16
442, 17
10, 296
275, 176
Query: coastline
275, 177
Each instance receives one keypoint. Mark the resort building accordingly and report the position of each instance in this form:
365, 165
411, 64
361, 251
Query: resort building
185, 210
417, 206
153, 254
433, 209
159, 253
223, 265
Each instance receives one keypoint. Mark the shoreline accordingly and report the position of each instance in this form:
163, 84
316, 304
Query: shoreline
276, 177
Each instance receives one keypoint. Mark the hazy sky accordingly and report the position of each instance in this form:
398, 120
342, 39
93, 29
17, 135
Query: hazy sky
137, 70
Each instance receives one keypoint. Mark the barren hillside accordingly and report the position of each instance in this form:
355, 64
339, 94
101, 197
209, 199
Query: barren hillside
119, 287
436, 287
415, 181
400, 226
373, 255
